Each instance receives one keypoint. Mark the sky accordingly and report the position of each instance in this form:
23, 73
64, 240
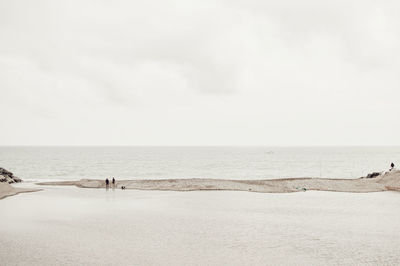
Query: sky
162, 72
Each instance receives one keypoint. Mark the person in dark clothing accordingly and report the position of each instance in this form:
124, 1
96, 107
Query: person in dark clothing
391, 166
113, 181
107, 182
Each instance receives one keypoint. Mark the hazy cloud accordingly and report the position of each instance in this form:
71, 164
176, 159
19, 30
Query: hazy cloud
210, 72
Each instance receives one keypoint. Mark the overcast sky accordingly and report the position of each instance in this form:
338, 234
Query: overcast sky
161, 72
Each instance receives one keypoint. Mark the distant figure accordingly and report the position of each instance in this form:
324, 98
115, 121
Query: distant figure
113, 181
391, 166
123, 187
107, 182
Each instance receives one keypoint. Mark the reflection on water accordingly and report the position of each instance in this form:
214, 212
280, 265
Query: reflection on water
71, 226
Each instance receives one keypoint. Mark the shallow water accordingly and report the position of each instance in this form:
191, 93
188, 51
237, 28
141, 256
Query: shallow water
71, 226
72, 163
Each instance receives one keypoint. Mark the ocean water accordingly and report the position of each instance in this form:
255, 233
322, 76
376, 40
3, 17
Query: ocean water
71, 163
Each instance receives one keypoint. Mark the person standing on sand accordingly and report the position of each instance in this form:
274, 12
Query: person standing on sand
107, 182
113, 181
391, 166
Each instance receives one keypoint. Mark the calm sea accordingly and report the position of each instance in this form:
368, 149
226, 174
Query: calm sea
70, 163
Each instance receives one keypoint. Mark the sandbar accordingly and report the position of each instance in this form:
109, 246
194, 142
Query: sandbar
384, 182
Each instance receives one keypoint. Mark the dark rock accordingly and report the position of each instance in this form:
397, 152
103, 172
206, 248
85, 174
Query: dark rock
7, 176
5, 172
17, 179
372, 175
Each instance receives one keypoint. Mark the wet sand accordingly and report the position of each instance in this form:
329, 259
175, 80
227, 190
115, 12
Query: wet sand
384, 182
66, 225
8, 190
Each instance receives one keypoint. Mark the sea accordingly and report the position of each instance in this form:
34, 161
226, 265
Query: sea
67, 225
72, 163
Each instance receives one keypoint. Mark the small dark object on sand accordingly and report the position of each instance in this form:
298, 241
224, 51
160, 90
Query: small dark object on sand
107, 182
372, 175
123, 187
113, 181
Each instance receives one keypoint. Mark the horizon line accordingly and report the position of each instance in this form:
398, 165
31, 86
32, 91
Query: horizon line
195, 146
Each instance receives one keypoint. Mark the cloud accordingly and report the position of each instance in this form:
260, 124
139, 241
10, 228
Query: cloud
250, 72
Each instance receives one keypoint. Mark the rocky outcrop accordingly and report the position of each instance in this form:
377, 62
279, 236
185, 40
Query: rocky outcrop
8, 177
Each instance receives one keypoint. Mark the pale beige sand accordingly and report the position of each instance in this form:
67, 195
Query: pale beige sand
384, 182
8, 190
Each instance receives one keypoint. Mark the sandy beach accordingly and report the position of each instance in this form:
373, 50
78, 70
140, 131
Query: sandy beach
384, 182
8, 190
388, 181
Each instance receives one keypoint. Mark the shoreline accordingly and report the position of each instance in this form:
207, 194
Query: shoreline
389, 181
7, 190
